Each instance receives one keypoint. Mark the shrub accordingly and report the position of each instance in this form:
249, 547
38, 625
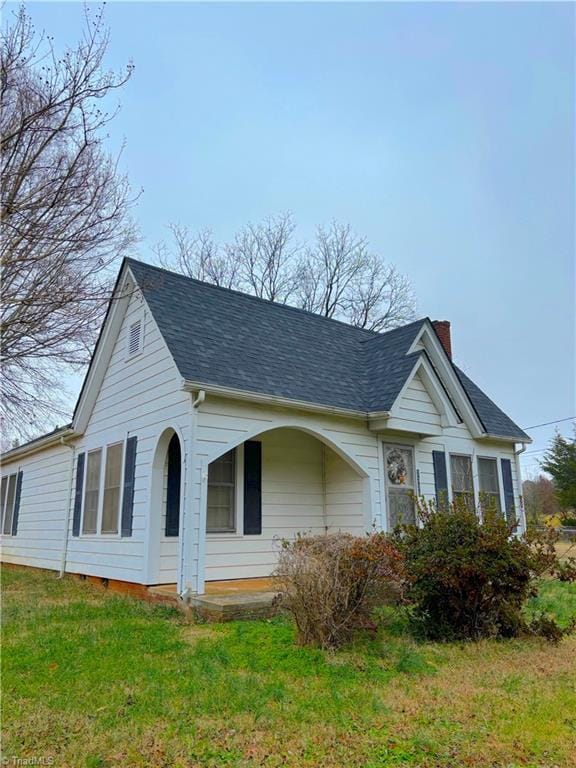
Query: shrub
469, 579
331, 583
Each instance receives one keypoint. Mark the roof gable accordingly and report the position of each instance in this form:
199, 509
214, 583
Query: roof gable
239, 342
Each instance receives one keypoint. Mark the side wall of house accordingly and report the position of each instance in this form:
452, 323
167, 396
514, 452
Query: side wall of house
416, 407
140, 396
44, 500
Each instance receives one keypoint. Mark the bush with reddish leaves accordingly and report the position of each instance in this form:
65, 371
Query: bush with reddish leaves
332, 583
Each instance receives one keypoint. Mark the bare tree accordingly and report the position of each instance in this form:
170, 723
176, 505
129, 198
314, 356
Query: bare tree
64, 213
337, 276
198, 256
341, 278
265, 255
260, 259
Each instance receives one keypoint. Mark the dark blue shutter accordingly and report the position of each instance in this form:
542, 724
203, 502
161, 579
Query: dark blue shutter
78, 495
440, 478
252, 487
173, 487
508, 489
128, 495
17, 503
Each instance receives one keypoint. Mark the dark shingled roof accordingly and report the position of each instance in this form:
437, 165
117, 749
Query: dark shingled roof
230, 339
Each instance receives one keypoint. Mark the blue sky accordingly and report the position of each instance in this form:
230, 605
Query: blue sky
442, 132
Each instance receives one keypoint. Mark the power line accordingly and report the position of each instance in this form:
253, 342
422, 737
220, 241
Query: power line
547, 423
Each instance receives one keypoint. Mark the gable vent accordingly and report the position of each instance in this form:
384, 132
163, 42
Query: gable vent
135, 338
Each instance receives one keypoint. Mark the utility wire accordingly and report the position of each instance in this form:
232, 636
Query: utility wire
547, 423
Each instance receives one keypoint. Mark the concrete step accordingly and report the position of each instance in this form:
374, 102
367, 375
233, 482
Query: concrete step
232, 607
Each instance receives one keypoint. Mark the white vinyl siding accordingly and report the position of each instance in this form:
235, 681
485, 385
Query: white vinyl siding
416, 411
138, 396
44, 499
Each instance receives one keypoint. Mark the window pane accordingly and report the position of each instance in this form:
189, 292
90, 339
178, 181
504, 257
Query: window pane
3, 497
462, 483
112, 479
220, 507
401, 508
488, 475
488, 483
221, 493
399, 469
222, 470
92, 491
462, 473
9, 504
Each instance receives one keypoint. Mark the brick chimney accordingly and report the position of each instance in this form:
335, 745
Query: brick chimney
443, 330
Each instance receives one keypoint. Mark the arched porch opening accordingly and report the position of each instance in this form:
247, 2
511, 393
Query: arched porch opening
308, 485
166, 504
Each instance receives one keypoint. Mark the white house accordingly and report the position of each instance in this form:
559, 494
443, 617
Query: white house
211, 425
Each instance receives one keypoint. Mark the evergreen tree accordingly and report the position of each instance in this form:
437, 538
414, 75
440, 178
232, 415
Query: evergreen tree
560, 463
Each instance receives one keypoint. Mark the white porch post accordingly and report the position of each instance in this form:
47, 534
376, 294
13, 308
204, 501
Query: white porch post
202, 501
193, 525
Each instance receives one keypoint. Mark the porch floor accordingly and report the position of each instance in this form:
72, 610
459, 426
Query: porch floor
226, 600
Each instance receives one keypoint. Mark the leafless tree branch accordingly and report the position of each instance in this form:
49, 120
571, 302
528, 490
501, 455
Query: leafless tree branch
336, 276
64, 213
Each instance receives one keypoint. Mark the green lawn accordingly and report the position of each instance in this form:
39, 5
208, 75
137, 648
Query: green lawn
92, 679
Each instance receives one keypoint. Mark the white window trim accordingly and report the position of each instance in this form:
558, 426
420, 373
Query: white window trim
474, 470
499, 479
238, 506
100, 511
404, 446
3, 509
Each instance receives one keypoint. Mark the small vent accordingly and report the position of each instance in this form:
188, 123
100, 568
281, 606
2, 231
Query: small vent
135, 338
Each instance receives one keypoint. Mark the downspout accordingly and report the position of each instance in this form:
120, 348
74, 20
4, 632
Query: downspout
324, 501
68, 510
199, 399
519, 482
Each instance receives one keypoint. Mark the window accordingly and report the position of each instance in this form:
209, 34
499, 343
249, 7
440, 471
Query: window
92, 491
221, 494
399, 467
462, 482
135, 338
488, 484
8, 491
112, 483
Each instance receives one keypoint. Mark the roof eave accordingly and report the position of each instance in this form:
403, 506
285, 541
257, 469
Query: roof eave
39, 444
274, 400
507, 438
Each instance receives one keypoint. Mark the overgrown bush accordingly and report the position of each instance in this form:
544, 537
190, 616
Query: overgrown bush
331, 584
469, 579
